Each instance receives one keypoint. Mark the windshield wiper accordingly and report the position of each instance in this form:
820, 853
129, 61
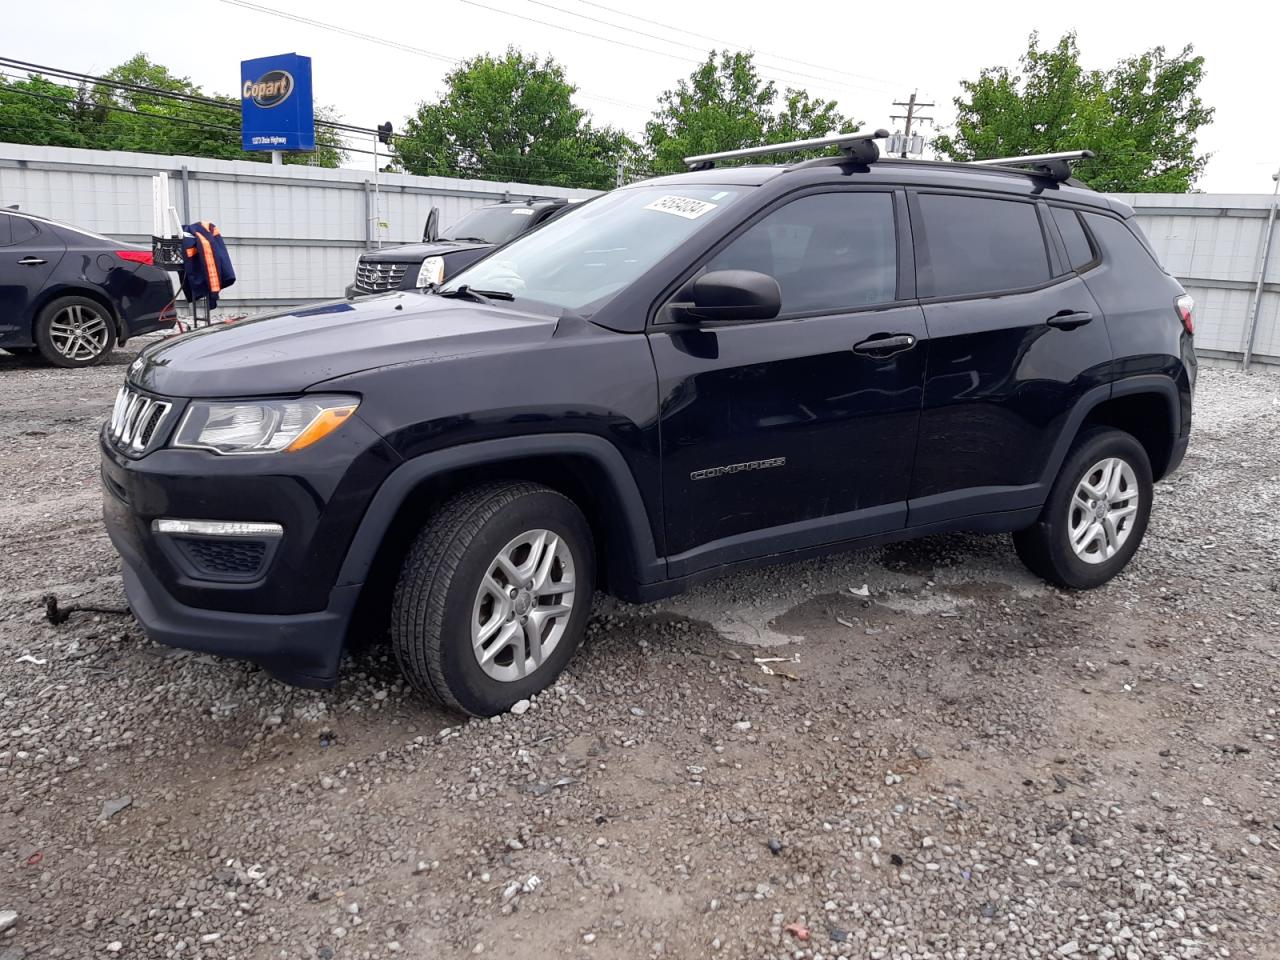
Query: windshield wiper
474, 239
465, 292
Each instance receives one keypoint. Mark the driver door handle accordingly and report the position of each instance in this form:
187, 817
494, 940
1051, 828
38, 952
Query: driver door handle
1069, 319
885, 346
31, 262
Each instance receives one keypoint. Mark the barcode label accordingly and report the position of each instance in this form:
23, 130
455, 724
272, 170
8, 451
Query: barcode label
685, 207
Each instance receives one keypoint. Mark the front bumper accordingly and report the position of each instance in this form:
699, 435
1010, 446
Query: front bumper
302, 649
289, 616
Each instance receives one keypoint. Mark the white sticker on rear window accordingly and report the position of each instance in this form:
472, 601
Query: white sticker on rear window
521, 212
685, 207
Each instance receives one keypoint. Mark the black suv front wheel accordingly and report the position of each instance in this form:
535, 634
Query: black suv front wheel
1096, 514
493, 596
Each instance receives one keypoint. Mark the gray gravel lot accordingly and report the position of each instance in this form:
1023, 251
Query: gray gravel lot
969, 764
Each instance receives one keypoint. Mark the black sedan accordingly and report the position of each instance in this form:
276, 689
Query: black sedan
71, 295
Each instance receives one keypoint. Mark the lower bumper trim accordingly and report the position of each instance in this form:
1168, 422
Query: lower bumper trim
300, 649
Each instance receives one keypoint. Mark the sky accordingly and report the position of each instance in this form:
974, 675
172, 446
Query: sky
864, 56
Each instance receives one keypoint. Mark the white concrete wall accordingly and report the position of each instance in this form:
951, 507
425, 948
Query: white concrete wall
294, 233
1211, 242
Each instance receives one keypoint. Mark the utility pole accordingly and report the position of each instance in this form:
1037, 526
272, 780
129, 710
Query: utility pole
621, 171
1263, 256
910, 116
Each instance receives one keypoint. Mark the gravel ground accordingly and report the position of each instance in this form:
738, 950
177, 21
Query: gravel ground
967, 763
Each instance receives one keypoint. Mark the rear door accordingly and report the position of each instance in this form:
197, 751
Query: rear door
29, 252
1015, 339
796, 431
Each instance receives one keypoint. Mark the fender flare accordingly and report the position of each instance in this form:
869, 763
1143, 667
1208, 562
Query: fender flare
1130, 386
647, 566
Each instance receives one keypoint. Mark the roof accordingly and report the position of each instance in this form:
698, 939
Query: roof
895, 171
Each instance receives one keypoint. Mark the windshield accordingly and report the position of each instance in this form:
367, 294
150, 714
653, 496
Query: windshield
579, 260
491, 224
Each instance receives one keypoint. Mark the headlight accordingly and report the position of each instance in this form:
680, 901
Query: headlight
262, 426
431, 272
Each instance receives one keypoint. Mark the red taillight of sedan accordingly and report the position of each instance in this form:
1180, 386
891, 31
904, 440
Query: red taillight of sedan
136, 256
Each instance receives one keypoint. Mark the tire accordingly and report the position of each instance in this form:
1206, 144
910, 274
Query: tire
74, 332
1046, 546
442, 600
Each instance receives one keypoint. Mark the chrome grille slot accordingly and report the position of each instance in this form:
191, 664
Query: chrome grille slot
136, 420
377, 277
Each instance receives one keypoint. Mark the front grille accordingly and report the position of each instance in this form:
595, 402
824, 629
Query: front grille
136, 420
224, 558
377, 277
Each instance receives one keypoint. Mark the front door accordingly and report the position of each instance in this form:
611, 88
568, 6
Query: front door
793, 432
28, 254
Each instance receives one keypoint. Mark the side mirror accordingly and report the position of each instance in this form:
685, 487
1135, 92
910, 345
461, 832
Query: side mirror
431, 232
728, 295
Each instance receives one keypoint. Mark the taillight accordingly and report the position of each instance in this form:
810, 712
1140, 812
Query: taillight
1185, 304
137, 256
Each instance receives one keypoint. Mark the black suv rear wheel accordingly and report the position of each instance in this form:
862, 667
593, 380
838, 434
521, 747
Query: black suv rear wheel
1096, 514
493, 596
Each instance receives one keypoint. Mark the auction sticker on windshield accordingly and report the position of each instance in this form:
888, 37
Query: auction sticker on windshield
685, 207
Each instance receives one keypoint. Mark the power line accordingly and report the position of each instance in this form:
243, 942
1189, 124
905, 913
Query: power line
394, 44
616, 42
727, 43
678, 43
536, 167
156, 91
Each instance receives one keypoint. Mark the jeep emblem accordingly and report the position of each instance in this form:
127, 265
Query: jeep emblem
269, 90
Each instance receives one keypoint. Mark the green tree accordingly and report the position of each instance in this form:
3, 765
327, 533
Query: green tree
111, 116
724, 105
1140, 116
511, 118
42, 112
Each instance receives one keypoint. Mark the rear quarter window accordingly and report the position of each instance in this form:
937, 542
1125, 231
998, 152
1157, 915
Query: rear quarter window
1123, 244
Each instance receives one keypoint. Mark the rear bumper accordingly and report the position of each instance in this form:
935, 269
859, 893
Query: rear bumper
302, 649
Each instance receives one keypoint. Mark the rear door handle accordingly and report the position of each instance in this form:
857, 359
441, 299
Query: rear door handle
1069, 319
31, 262
885, 346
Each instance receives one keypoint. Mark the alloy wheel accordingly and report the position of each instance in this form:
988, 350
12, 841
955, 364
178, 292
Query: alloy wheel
79, 332
523, 605
1102, 511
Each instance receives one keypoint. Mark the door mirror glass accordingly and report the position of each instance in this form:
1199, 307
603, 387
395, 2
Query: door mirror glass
732, 295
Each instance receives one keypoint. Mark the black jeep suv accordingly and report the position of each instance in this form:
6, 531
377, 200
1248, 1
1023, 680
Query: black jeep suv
676, 379
413, 266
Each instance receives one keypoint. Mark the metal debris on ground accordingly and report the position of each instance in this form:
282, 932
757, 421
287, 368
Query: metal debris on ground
763, 664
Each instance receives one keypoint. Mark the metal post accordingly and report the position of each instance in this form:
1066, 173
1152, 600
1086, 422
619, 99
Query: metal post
186, 194
277, 158
368, 220
377, 205
1262, 275
620, 172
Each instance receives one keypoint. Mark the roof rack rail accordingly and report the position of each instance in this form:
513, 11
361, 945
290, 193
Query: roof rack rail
1055, 166
858, 147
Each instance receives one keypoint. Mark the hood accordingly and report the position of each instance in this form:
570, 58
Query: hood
289, 352
417, 252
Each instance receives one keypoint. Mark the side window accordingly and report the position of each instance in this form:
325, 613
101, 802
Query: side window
828, 252
980, 245
1079, 250
5, 236
22, 229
